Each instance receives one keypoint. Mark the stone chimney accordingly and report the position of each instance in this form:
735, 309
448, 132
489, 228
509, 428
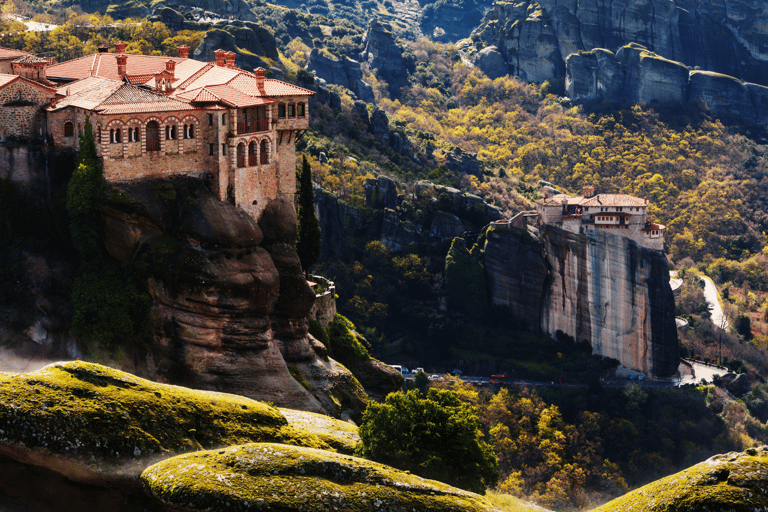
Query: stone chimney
31, 67
122, 60
103, 48
183, 51
230, 56
221, 57
260, 72
588, 191
120, 47
170, 67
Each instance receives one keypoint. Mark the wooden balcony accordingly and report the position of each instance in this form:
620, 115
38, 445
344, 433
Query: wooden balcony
260, 125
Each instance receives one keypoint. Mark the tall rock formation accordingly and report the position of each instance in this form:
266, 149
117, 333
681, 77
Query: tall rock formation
536, 37
383, 54
597, 288
229, 297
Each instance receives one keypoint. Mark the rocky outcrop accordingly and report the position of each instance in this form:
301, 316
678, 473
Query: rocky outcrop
597, 288
492, 62
637, 75
733, 482
536, 37
251, 42
229, 297
340, 71
451, 20
380, 192
383, 54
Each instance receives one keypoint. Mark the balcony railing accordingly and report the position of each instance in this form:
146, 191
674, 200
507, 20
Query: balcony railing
153, 145
260, 125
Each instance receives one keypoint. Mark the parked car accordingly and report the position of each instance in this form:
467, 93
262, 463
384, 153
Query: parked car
435, 377
419, 369
456, 372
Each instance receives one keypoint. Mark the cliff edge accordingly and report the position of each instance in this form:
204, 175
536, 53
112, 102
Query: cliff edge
594, 287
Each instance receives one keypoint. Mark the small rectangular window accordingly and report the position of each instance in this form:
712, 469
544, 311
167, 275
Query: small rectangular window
210, 119
224, 149
300, 110
223, 119
281, 110
210, 149
291, 110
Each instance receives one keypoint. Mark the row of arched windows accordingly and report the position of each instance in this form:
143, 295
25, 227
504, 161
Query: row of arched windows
258, 153
133, 133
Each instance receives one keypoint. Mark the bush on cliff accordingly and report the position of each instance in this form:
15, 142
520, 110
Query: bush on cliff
345, 342
436, 436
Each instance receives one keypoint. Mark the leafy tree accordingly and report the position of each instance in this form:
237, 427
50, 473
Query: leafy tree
465, 281
308, 238
436, 436
82, 192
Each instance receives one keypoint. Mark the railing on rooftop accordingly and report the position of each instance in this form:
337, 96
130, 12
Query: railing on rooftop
260, 125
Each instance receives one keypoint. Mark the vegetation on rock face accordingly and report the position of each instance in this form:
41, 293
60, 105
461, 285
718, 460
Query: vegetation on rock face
435, 436
84, 410
308, 235
287, 478
732, 482
340, 435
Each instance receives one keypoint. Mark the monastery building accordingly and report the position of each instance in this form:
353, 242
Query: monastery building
160, 116
619, 214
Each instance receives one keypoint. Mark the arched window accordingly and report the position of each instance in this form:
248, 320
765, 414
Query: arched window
69, 129
241, 155
264, 153
252, 153
153, 136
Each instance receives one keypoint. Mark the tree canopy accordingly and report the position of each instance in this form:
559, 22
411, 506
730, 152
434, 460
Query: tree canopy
436, 437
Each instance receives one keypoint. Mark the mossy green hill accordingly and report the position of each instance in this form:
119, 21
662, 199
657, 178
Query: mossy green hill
276, 477
732, 482
91, 412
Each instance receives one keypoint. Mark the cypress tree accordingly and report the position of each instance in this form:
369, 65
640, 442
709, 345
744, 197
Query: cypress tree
308, 237
82, 191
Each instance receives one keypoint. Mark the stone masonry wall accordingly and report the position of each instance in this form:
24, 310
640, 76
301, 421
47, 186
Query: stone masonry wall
18, 119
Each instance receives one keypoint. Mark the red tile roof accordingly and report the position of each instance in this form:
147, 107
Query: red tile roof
8, 79
613, 200
7, 53
105, 65
227, 95
279, 88
114, 97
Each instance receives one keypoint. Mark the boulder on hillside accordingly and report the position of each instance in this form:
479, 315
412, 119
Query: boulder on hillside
650, 77
461, 162
340, 71
380, 125
492, 62
731, 482
449, 21
721, 94
737, 384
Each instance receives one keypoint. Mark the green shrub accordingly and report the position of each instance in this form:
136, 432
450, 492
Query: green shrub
345, 343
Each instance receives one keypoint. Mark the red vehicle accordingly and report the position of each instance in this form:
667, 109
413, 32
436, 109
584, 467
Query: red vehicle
498, 378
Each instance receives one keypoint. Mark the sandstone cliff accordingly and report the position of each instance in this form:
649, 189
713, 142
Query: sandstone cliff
340, 71
230, 299
535, 37
596, 288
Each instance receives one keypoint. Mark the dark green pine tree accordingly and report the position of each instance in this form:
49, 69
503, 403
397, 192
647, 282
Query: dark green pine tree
84, 187
308, 237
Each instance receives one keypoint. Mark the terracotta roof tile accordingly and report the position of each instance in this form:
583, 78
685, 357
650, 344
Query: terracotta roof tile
224, 94
139, 79
7, 53
280, 88
114, 97
8, 79
105, 65
613, 200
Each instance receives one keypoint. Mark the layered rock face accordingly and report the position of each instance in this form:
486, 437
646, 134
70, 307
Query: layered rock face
248, 40
340, 71
383, 54
536, 37
636, 75
230, 299
598, 288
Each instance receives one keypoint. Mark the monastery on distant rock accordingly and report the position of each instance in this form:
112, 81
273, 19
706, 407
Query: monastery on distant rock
160, 116
619, 214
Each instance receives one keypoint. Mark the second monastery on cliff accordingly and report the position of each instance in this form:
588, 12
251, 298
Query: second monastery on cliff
158, 116
619, 214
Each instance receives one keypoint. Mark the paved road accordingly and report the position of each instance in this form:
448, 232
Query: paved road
710, 293
702, 371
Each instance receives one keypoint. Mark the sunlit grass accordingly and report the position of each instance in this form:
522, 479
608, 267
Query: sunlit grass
509, 503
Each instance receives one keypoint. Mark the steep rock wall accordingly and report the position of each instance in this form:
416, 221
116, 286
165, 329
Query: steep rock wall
535, 37
595, 287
